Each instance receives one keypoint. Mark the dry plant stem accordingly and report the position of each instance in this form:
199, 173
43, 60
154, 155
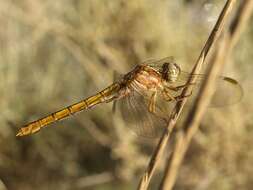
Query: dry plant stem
145, 180
240, 21
192, 122
93, 180
172, 167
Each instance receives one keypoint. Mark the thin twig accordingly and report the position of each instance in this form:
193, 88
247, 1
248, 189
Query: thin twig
192, 122
93, 180
145, 180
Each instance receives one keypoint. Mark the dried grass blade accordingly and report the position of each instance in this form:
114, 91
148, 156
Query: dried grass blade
192, 122
145, 180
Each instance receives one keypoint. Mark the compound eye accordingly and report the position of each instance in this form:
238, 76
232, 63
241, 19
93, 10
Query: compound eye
173, 72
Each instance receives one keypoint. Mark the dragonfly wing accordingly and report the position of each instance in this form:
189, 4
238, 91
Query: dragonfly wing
228, 91
134, 110
159, 62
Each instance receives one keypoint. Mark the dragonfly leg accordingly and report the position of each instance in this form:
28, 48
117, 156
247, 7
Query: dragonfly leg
152, 107
152, 101
177, 88
179, 98
167, 96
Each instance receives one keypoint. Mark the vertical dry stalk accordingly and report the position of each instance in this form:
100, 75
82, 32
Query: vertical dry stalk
192, 122
145, 180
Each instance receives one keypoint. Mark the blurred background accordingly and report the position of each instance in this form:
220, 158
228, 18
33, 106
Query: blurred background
55, 53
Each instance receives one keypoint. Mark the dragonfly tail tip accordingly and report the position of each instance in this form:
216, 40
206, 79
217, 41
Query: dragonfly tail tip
19, 134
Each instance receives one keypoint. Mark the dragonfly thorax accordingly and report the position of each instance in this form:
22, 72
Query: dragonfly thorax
170, 72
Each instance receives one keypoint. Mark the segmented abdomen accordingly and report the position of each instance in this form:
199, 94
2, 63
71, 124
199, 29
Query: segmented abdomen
106, 95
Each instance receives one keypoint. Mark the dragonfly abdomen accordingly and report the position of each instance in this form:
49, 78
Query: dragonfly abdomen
105, 95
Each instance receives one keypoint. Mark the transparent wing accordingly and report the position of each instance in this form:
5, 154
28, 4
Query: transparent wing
228, 91
159, 62
135, 113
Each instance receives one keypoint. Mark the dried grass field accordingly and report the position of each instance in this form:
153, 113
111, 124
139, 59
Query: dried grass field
55, 53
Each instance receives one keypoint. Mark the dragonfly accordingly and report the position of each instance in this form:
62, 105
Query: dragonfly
144, 95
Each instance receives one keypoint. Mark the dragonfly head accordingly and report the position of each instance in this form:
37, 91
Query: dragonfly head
170, 71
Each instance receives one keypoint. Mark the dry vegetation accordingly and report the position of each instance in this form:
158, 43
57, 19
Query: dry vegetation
54, 53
